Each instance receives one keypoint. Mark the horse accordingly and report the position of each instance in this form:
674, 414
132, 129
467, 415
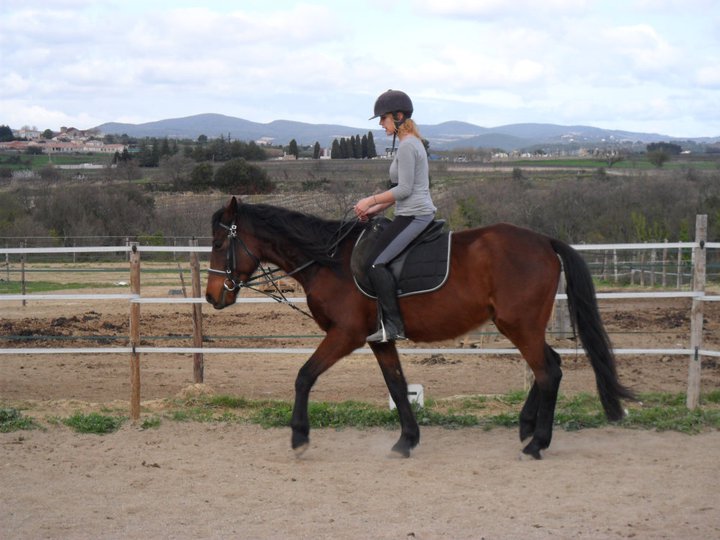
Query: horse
501, 272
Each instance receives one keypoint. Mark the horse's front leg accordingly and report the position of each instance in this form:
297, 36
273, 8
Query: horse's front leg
333, 347
387, 357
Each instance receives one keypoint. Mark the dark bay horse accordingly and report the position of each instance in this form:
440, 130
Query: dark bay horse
501, 273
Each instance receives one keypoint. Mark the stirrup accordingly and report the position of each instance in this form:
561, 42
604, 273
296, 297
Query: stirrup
386, 334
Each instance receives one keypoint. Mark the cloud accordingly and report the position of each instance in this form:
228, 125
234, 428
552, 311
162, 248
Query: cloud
709, 76
19, 113
643, 47
14, 85
501, 8
571, 61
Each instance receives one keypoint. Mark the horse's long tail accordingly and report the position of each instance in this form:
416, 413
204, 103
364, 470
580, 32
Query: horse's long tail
585, 318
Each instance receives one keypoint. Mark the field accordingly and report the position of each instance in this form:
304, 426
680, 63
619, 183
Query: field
227, 479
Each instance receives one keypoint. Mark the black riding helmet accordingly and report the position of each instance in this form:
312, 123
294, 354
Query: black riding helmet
393, 101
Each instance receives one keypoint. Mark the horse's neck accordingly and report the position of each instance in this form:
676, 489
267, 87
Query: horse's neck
291, 265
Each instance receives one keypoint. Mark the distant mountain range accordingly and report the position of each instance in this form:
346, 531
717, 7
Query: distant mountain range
444, 136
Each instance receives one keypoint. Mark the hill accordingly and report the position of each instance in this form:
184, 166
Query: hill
444, 136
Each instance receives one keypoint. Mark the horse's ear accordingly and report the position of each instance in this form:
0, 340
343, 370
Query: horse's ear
234, 203
232, 206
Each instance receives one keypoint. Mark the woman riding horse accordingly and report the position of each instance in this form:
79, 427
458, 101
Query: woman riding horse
410, 191
501, 273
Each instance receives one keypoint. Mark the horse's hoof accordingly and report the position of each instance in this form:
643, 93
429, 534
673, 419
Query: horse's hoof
299, 443
532, 451
300, 450
402, 449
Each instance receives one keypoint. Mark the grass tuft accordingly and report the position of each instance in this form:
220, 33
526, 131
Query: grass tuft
99, 424
13, 420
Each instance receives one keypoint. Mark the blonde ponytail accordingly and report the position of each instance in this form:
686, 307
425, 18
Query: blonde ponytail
409, 127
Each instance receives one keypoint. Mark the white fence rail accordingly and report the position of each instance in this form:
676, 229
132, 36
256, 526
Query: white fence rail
695, 351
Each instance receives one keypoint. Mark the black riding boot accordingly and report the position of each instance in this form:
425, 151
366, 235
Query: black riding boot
390, 324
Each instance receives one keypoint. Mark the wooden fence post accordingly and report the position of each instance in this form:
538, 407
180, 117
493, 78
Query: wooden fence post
696, 313
198, 360
134, 334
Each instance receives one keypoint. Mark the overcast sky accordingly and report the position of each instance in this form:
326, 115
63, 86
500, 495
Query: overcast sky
636, 65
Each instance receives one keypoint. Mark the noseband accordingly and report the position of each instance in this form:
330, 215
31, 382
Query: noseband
231, 283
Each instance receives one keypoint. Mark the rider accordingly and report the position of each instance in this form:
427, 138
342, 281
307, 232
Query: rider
410, 191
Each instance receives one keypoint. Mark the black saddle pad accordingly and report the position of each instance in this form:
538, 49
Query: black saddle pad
422, 267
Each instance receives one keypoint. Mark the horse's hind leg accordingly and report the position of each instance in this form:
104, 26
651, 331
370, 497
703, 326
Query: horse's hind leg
541, 403
528, 415
387, 357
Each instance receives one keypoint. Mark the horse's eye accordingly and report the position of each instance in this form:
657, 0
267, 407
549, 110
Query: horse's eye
217, 244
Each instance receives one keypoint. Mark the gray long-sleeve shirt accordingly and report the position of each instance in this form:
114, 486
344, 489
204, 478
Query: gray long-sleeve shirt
410, 171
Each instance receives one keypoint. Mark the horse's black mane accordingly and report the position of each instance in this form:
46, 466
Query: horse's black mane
310, 235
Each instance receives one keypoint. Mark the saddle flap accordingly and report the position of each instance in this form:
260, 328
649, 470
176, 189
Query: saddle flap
422, 267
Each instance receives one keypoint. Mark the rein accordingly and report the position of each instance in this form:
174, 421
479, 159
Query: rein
267, 274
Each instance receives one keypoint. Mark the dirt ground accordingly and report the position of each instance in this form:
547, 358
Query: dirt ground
191, 480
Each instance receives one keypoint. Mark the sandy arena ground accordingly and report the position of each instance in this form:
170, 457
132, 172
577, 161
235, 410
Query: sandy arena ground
193, 480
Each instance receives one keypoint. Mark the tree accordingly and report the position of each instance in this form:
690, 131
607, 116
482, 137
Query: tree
316, 150
335, 150
149, 153
658, 157
239, 176
95, 211
127, 170
613, 156
356, 147
670, 148
6, 134
345, 148
176, 169
165, 148
293, 148
49, 173
11, 210
371, 151
47, 134
201, 176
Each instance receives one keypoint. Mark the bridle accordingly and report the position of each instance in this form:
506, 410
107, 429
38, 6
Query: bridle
231, 284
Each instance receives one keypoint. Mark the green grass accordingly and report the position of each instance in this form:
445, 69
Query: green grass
581, 411
96, 423
39, 161
653, 411
13, 420
15, 287
151, 423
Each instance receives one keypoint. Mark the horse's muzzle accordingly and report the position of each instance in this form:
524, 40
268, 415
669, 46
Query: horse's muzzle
227, 298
